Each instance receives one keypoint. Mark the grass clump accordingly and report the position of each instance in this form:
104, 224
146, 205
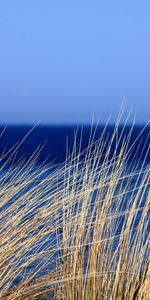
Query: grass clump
77, 231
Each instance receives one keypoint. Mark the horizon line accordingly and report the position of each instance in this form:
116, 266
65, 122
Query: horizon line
58, 124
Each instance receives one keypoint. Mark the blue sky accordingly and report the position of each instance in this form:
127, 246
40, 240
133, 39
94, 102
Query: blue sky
62, 61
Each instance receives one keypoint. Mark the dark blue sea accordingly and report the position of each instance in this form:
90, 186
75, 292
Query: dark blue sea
53, 140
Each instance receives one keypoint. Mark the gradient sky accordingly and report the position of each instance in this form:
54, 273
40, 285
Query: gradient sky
61, 61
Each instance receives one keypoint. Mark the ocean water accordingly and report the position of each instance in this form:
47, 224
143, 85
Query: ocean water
55, 139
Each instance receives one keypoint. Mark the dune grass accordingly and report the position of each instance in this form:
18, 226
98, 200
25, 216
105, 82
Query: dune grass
79, 230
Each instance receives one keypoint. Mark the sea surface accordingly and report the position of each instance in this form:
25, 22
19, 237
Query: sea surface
55, 139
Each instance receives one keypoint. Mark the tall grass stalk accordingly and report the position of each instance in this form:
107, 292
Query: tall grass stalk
77, 231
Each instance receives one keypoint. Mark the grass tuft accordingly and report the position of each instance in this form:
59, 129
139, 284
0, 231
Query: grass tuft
79, 230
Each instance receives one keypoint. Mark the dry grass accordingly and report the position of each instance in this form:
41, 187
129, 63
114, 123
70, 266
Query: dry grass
80, 232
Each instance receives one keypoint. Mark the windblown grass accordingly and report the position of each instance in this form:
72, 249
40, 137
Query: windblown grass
80, 231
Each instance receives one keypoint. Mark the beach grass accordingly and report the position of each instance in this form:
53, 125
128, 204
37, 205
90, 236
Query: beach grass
79, 230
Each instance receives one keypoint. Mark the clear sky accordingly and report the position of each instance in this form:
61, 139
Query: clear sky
62, 61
